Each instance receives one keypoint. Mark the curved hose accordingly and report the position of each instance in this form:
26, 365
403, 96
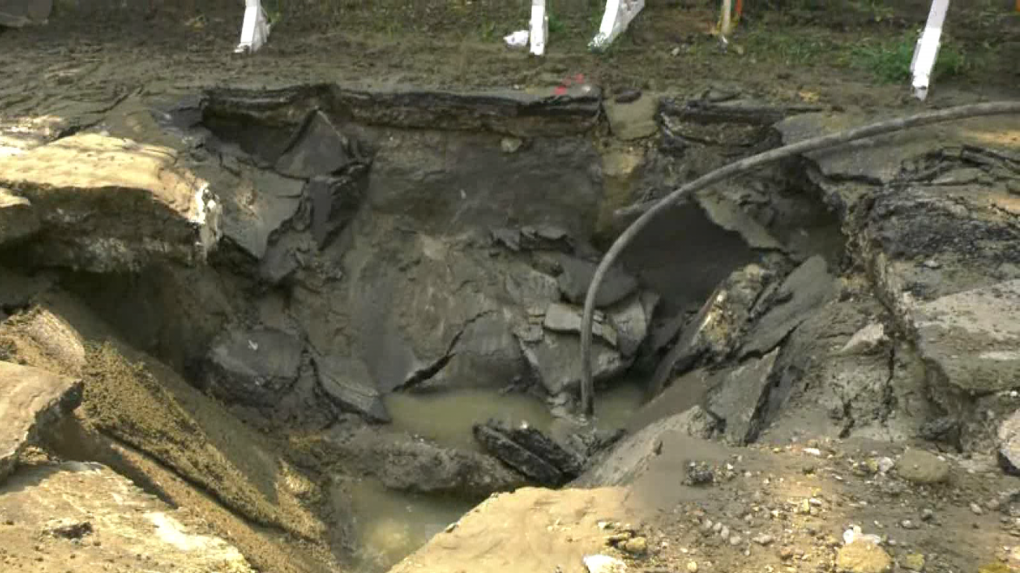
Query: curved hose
742, 166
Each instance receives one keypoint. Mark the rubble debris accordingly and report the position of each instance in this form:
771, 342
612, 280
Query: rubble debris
130, 524
30, 399
530, 452
807, 287
921, 467
347, 382
318, 149
863, 557
253, 367
101, 215
741, 396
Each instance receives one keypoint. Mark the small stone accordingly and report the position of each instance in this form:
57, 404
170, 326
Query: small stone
735, 540
976, 509
913, 562
764, 539
863, 557
604, 564
636, 546
675, 52
885, 464
511, 144
717, 527
908, 524
692, 567
921, 467
725, 532
927, 515
786, 553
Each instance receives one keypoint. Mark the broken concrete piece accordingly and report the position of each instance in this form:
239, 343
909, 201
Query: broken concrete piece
630, 319
866, 340
556, 362
30, 398
335, 201
17, 218
604, 564
576, 276
253, 367
518, 457
740, 397
973, 337
560, 317
634, 120
113, 204
530, 452
717, 329
349, 385
808, 286
255, 205
319, 149
108, 518
1009, 444
630, 458
921, 467
20, 13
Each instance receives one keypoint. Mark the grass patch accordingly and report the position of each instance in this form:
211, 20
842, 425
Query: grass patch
889, 59
777, 44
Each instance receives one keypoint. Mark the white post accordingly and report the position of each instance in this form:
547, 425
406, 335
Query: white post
254, 28
927, 50
617, 17
726, 21
539, 27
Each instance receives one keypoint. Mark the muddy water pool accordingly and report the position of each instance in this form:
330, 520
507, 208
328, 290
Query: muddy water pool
390, 525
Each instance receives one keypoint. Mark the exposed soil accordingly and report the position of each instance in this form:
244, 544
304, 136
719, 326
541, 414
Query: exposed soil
273, 476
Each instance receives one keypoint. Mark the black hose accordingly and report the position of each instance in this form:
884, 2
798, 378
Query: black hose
742, 166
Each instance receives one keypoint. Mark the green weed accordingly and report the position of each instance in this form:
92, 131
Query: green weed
889, 60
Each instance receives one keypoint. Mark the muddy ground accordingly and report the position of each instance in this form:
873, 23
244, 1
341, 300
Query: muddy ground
260, 380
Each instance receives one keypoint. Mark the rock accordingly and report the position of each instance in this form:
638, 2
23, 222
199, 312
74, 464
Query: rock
130, 523
763, 539
692, 567
913, 562
1009, 444
560, 317
17, 218
110, 204
575, 278
335, 201
254, 367
976, 509
921, 467
556, 361
741, 396
636, 546
807, 287
630, 458
631, 319
634, 120
349, 385
717, 329
604, 564
30, 399
973, 336
511, 144
256, 204
863, 557
530, 452
20, 13
318, 149
866, 340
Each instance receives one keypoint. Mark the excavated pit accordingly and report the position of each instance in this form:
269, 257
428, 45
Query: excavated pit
394, 268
